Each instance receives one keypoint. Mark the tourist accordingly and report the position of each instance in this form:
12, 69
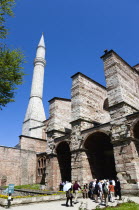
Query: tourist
118, 189
61, 186
93, 187
9, 199
87, 189
69, 196
84, 190
101, 190
76, 188
111, 192
105, 188
91, 190
96, 191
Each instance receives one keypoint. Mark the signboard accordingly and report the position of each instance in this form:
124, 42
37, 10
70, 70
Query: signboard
11, 188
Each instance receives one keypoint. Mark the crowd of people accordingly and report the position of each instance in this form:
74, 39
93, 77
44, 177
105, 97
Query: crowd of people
105, 190
101, 191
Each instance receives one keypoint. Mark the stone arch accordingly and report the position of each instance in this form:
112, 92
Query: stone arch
57, 144
93, 132
64, 160
99, 151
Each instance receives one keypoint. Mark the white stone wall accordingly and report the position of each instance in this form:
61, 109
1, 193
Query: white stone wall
38, 79
34, 118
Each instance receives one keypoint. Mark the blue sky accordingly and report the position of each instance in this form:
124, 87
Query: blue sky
76, 33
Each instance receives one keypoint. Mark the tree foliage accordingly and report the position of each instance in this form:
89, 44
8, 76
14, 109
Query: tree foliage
11, 70
5, 10
11, 74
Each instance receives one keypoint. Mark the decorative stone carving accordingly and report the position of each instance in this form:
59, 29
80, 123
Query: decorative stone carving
50, 146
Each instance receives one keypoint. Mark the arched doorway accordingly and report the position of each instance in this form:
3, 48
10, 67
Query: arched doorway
64, 160
136, 136
100, 155
136, 130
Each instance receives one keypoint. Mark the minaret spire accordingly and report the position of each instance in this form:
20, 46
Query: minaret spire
35, 115
42, 43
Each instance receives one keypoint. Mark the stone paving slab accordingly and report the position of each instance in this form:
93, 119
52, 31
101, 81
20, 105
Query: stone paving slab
60, 205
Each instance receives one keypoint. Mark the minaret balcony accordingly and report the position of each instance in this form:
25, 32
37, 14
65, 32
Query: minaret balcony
40, 60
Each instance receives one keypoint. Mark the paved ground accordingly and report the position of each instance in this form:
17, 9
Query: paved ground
60, 205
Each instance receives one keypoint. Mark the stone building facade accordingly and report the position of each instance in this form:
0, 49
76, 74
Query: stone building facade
95, 134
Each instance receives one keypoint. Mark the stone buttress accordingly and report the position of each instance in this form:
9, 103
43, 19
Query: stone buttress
123, 98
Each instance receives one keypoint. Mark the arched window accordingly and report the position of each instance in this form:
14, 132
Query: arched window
106, 105
39, 164
42, 162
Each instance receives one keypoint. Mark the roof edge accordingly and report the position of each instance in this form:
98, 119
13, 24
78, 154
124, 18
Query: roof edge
58, 98
89, 79
112, 51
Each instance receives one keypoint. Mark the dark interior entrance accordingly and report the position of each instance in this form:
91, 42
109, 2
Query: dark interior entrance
64, 160
100, 156
136, 130
136, 135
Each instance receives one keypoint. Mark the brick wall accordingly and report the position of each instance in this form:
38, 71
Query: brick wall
17, 166
33, 144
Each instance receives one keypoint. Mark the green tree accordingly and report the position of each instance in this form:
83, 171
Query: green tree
11, 61
6, 7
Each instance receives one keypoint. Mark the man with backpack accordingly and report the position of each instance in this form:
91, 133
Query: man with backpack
105, 188
96, 191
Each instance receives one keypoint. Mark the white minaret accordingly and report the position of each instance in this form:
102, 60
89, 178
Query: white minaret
35, 115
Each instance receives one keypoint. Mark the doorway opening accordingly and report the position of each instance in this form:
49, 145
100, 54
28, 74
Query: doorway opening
100, 156
64, 160
136, 135
136, 130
